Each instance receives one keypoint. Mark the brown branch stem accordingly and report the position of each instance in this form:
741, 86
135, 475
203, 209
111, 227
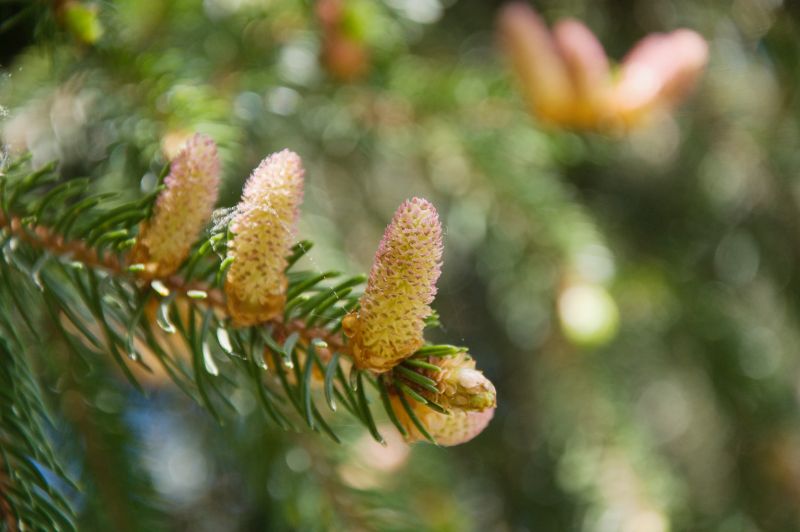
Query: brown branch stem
45, 238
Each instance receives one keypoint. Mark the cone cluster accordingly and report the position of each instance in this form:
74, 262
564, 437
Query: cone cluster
385, 330
388, 328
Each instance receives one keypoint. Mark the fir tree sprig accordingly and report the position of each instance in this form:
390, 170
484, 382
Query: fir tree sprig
120, 277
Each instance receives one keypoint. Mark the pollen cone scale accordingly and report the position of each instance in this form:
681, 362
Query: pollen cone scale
264, 228
181, 210
402, 284
460, 384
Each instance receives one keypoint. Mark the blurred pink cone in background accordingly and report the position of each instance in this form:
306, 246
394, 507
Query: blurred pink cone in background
344, 54
566, 77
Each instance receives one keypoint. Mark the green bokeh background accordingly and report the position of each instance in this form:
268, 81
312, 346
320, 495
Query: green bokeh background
675, 408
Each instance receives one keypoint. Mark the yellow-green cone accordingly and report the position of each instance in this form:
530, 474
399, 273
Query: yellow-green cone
181, 210
264, 231
402, 284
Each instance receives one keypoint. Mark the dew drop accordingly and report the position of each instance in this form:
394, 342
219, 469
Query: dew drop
162, 318
258, 358
160, 288
224, 340
208, 360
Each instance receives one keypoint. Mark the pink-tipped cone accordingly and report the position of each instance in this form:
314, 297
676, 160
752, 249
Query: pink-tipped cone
401, 286
263, 229
181, 210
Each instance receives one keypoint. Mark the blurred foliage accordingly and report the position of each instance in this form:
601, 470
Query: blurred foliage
672, 252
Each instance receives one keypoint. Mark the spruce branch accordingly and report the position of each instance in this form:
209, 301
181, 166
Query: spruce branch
123, 279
